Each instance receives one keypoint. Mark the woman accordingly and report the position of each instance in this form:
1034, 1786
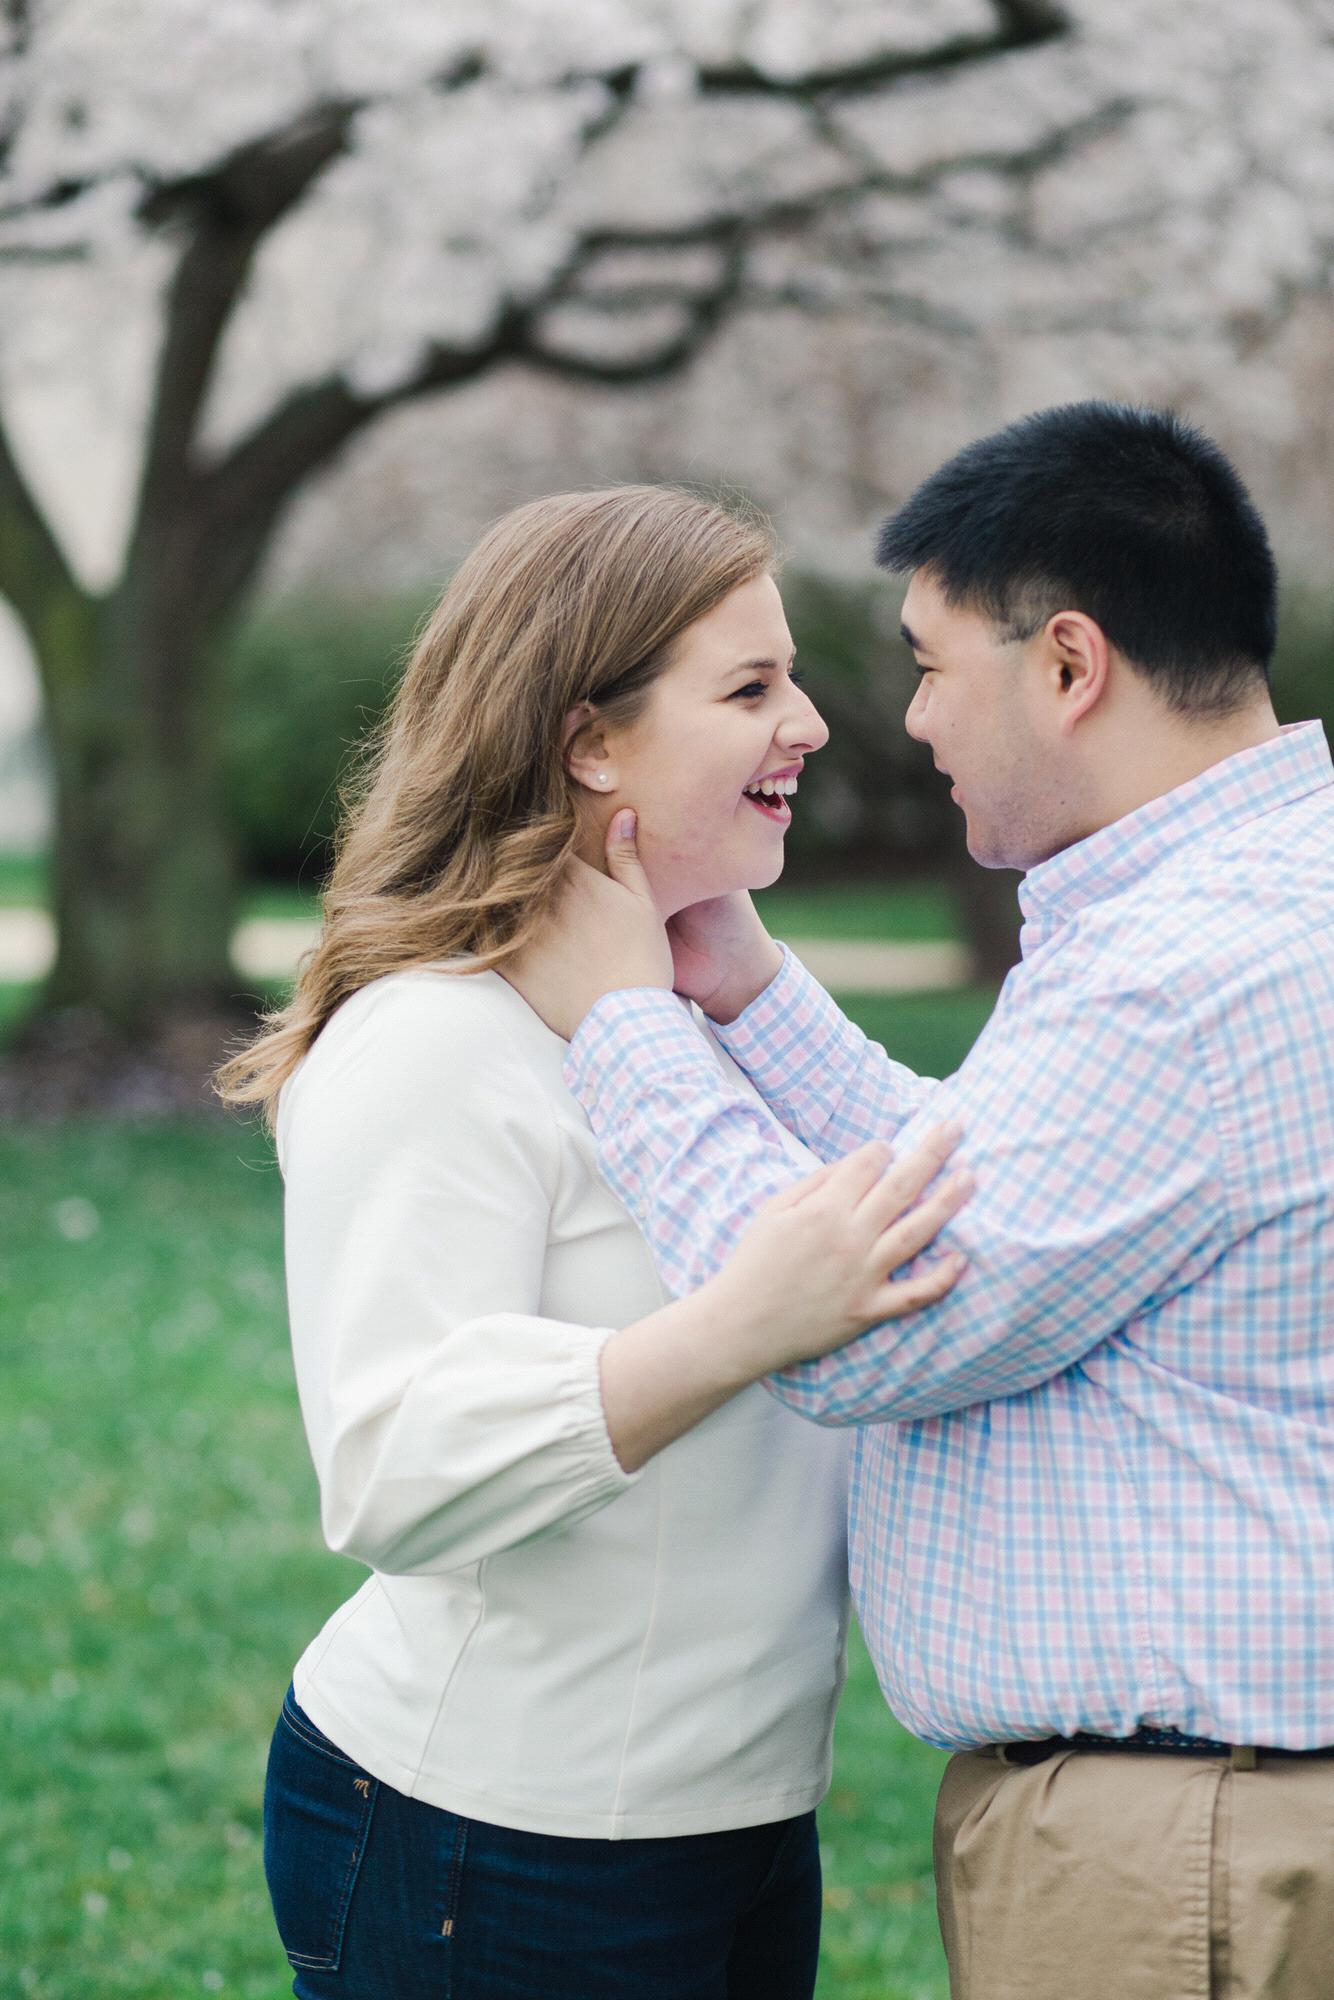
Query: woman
568, 1736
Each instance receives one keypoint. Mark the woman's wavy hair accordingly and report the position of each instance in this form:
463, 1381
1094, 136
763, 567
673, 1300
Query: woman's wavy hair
459, 823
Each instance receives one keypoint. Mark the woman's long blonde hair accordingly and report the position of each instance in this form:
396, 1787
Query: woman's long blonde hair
462, 820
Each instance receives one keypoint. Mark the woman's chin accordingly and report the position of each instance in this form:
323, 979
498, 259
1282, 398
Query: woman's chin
765, 876
756, 879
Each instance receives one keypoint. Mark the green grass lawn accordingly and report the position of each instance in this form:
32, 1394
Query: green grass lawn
913, 910
164, 1569
22, 881
892, 911
23, 884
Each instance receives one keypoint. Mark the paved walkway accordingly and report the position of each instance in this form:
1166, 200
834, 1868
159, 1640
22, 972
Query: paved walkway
269, 947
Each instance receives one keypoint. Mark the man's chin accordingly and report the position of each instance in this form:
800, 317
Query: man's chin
983, 848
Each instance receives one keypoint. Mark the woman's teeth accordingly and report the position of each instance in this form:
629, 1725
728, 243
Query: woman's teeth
769, 787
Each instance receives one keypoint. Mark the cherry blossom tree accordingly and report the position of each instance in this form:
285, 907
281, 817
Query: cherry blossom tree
250, 230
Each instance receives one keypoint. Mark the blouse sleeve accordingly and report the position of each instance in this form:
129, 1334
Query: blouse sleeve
447, 1418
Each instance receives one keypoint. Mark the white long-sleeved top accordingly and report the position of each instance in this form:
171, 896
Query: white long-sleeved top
545, 1641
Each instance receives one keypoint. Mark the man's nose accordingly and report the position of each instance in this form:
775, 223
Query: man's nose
913, 720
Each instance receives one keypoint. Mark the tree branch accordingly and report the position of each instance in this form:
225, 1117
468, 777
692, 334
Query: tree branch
253, 482
312, 423
1021, 24
33, 569
705, 312
231, 209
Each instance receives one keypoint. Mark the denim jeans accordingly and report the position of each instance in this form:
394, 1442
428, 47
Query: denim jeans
382, 1897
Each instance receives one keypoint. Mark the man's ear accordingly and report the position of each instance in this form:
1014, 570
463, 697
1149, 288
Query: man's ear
587, 758
1078, 662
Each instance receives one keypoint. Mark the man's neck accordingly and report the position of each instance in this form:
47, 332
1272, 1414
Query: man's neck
1159, 757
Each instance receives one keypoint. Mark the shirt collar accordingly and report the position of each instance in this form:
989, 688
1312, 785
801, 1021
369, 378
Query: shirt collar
1240, 788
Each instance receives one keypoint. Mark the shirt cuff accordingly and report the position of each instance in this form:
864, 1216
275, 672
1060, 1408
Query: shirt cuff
791, 1033
628, 1041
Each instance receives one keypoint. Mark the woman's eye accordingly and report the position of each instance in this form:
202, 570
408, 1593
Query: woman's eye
754, 688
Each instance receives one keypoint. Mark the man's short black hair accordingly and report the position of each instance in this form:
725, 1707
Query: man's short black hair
1128, 515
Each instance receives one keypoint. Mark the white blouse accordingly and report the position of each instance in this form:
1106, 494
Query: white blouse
545, 1641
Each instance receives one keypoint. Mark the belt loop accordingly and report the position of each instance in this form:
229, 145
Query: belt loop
1245, 1757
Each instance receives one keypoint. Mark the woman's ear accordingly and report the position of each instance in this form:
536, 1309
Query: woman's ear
587, 758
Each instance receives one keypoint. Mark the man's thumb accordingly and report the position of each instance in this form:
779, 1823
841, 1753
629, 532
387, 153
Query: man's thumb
623, 861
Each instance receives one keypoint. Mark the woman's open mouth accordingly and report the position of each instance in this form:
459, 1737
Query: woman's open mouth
770, 797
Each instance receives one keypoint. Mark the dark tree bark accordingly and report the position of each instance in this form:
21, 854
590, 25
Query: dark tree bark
987, 902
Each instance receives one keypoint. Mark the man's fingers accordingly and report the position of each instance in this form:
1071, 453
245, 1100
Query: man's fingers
622, 851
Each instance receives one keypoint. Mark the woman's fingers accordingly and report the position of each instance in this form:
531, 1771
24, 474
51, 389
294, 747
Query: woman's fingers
796, 1191
848, 1180
908, 1235
911, 1173
899, 1296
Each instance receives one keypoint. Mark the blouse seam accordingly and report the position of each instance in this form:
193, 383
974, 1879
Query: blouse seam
649, 1624
453, 1674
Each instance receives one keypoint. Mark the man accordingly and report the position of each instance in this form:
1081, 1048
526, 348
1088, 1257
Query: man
1093, 1505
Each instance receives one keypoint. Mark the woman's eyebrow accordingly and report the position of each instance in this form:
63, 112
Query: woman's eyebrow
754, 666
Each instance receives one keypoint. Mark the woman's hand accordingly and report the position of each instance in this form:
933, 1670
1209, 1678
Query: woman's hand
811, 1272
813, 1269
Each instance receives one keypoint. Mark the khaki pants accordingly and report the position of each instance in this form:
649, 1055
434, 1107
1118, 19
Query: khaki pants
1105, 1876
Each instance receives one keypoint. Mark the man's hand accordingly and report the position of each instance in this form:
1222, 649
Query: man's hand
606, 935
722, 956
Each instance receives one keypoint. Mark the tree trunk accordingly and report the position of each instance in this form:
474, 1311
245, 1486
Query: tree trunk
143, 874
987, 900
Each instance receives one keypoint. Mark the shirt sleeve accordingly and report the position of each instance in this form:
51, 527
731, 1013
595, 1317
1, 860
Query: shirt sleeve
1088, 1124
448, 1417
816, 1070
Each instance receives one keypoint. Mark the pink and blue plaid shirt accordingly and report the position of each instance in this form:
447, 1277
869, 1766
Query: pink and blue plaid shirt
1094, 1486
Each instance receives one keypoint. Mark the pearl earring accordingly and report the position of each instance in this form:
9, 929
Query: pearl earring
602, 777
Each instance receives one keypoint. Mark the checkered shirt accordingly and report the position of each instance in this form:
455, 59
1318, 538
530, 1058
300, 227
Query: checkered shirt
1094, 1486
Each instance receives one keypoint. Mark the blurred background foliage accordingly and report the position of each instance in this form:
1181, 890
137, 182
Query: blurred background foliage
307, 677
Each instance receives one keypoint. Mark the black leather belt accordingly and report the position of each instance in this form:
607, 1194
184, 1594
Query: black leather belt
1161, 1742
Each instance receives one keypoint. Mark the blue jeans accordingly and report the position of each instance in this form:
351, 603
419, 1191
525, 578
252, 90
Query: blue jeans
382, 1897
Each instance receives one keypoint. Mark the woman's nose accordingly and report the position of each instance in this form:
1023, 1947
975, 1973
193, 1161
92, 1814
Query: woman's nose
803, 728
